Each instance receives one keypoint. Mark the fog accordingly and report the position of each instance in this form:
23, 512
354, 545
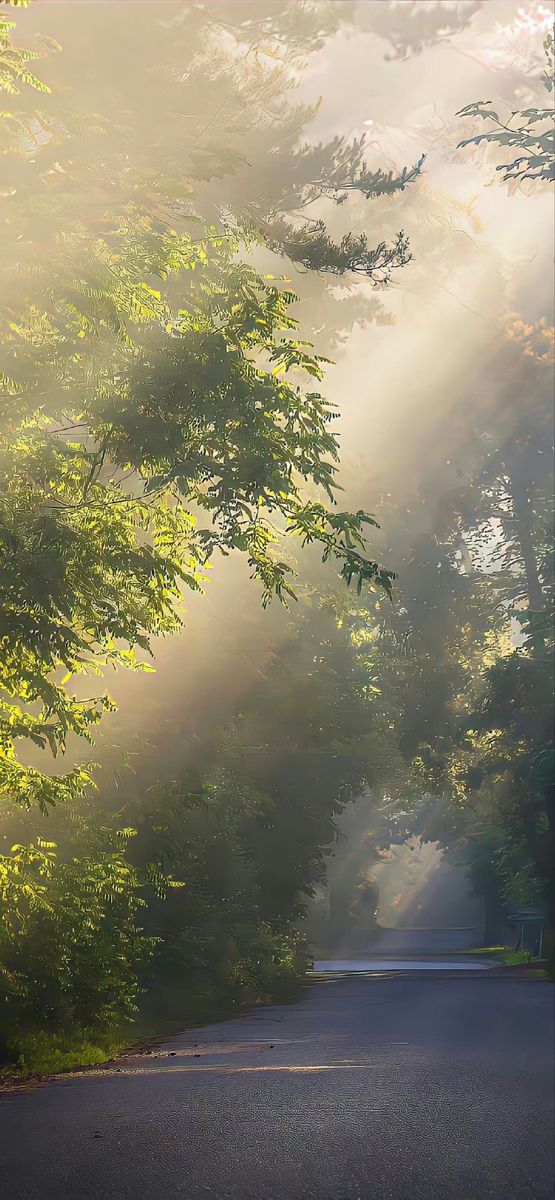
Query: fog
413, 361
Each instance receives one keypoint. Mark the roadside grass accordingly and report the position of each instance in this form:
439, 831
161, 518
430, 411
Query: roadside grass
517, 958
509, 957
493, 951
42, 1053
163, 1011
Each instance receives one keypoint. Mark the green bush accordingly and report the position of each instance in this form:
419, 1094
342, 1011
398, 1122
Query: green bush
516, 958
42, 1053
69, 951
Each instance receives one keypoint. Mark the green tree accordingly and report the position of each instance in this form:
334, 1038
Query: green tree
529, 135
133, 411
476, 616
155, 410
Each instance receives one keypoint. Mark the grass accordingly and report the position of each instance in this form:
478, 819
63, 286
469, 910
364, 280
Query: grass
517, 958
509, 957
163, 1010
493, 951
43, 1053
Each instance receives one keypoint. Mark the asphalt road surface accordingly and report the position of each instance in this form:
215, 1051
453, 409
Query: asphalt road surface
406, 1087
393, 943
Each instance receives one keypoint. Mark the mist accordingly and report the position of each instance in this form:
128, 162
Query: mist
277, 599
432, 364
406, 387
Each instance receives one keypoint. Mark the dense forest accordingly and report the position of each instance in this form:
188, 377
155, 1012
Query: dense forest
184, 254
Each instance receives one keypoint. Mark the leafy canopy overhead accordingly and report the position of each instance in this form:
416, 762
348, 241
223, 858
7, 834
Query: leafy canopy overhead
154, 409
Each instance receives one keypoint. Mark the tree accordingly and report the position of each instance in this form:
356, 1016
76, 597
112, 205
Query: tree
132, 411
243, 822
512, 747
512, 762
410, 27
476, 729
155, 410
528, 134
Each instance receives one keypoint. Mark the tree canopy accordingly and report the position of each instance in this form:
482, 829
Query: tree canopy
155, 402
166, 227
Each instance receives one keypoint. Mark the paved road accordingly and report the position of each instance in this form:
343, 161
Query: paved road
392, 943
406, 1088
462, 963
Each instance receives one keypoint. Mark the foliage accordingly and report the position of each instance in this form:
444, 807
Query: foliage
410, 26
529, 134
69, 942
14, 65
160, 405
41, 1052
148, 390
515, 713
517, 958
157, 406
309, 735
477, 725
219, 933
97, 538
312, 246
335, 171
273, 26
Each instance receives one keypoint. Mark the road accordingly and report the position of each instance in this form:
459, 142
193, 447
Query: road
391, 943
405, 1088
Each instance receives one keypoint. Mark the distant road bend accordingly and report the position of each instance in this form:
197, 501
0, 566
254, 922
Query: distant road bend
420, 940
413, 1086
